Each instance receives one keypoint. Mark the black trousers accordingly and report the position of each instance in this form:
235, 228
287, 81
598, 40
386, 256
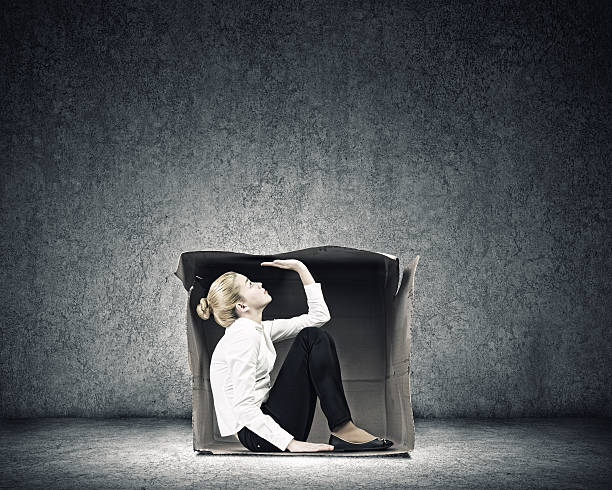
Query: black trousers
311, 369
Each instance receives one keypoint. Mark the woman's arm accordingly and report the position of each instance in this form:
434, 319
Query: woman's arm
305, 274
242, 366
294, 265
318, 313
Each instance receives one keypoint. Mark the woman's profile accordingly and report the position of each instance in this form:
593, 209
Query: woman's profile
277, 418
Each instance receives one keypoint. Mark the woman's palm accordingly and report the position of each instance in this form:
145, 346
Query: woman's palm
292, 264
308, 447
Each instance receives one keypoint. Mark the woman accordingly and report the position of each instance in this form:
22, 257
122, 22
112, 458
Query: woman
278, 418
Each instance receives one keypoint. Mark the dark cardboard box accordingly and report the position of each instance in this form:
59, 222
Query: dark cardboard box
371, 311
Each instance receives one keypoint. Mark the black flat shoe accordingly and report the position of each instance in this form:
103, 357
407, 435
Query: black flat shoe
374, 444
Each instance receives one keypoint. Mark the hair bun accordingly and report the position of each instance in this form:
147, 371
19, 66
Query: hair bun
203, 309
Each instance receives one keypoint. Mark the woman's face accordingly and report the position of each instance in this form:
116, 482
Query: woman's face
253, 293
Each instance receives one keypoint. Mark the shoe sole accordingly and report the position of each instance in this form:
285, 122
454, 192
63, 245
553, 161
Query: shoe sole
352, 450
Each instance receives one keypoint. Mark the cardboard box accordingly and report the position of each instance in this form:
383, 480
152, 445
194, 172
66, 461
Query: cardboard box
371, 313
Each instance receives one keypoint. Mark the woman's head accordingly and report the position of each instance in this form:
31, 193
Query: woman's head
231, 296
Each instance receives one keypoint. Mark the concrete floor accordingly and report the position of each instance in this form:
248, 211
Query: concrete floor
148, 453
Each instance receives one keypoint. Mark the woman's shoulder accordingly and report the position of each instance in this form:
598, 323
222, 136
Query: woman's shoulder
241, 333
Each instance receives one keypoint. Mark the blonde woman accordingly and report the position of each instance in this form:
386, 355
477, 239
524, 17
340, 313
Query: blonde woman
277, 418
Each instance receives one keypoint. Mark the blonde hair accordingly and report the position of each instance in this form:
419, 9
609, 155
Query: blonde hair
221, 300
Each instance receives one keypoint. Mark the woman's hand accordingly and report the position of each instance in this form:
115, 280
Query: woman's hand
291, 264
308, 447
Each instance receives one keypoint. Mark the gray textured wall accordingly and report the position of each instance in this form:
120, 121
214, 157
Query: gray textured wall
475, 135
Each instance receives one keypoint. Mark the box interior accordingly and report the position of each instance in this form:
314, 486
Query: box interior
370, 323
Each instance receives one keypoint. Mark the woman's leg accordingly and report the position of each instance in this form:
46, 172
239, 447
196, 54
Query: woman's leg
311, 369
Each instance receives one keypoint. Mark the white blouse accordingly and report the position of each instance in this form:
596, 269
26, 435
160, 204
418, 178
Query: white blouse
241, 363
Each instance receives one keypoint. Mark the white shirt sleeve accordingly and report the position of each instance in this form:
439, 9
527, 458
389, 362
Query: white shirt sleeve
317, 316
242, 367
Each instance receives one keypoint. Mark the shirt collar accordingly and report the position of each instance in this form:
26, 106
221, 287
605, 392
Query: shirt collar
247, 321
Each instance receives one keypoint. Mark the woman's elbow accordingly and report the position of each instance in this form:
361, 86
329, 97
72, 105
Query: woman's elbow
322, 320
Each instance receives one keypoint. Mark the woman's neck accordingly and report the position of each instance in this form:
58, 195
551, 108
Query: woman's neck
255, 316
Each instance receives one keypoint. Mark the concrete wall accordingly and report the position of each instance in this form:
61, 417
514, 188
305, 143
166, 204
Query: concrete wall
474, 134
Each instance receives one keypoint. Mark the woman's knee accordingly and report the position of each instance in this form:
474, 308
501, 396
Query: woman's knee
315, 333
310, 331
329, 337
